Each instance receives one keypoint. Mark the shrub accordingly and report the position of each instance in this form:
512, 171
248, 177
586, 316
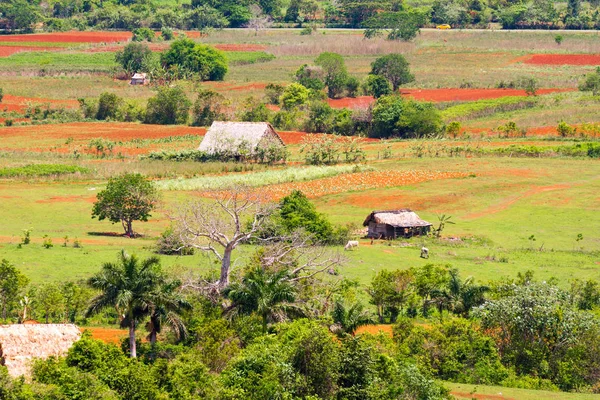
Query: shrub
170, 243
255, 111
394, 68
377, 86
591, 83
273, 93
1, 95
167, 33
187, 57
311, 77
143, 34
133, 57
294, 95
530, 85
208, 107
558, 39
395, 117
453, 129
170, 106
352, 86
565, 130
109, 105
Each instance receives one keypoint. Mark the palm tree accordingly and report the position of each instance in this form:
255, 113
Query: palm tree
459, 296
348, 320
168, 304
130, 286
270, 294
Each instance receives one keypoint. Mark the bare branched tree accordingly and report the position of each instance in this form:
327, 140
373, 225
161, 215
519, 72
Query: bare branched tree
259, 21
220, 226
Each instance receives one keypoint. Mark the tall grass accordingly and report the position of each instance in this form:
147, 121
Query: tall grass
486, 107
40, 170
291, 174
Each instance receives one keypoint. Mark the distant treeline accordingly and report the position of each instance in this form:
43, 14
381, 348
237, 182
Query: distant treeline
58, 15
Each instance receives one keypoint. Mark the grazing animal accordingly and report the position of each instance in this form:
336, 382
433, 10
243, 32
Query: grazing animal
424, 252
351, 244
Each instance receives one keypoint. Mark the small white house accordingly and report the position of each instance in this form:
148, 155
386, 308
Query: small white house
139, 79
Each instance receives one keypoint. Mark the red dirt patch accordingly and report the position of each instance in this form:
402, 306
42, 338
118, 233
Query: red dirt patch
19, 104
107, 335
480, 396
351, 102
443, 95
561, 59
118, 131
70, 37
375, 329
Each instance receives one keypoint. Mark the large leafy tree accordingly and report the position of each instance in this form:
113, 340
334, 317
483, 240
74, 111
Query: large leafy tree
394, 68
395, 117
170, 106
127, 198
133, 57
296, 211
335, 73
390, 291
12, 281
130, 286
189, 57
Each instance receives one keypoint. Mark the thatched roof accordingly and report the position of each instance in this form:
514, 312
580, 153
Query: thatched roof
230, 136
19, 344
404, 218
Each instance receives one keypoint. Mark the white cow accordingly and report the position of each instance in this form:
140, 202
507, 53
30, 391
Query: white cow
424, 252
351, 244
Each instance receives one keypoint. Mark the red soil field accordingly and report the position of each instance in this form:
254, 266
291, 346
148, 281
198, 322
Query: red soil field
375, 329
351, 102
6, 51
107, 335
356, 181
70, 37
118, 131
561, 59
441, 95
19, 104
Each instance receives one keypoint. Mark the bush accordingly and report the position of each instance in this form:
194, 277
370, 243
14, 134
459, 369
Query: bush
565, 130
273, 93
187, 57
167, 33
169, 243
352, 86
395, 117
311, 77
377, 86
254, 111
1, 95
170, 106
591, 83
109, 106
143, 34
294, 95
208, 107
133, 57
394, 68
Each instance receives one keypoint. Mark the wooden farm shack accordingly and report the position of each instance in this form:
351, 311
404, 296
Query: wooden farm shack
21, 343
392, 224
139, 79
239, 139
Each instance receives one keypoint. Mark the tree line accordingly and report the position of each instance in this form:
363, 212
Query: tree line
400, 20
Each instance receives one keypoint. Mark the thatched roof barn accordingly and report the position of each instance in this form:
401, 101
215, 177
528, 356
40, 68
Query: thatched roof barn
239, 138
19, 344
392, 224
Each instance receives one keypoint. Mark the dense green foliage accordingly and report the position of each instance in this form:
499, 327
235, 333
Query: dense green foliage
188, 58
34, 170
170, 106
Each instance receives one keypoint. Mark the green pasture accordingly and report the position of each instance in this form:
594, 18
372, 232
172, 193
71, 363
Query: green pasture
496, 212
464, 391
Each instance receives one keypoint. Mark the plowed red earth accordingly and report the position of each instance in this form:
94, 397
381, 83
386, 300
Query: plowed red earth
70, 37
107, 335
440, 95
111, 131
562, 59
19, 104
6, 51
